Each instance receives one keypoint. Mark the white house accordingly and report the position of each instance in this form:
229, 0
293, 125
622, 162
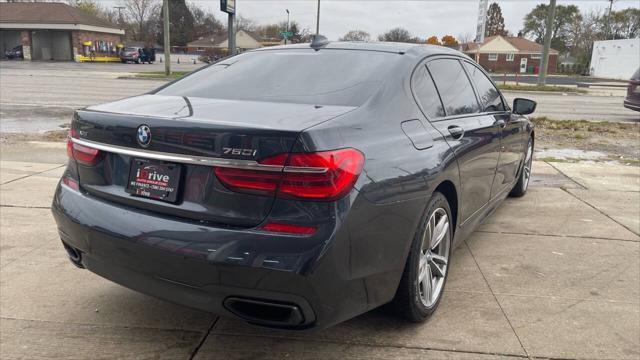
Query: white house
615, 59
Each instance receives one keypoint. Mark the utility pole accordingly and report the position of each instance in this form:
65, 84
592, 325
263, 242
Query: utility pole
285, 38
119, 8
167, 39
318, 20
542, 78
608, 31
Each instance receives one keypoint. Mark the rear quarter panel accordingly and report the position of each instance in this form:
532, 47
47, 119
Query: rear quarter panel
380, 219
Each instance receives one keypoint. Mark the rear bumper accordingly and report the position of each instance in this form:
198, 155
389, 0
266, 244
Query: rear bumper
202, 267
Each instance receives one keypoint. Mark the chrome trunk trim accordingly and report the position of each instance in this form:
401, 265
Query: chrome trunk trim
196, 160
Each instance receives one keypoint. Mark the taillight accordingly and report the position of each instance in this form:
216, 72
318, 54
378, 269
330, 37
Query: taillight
322, 176
288, 229
83, 154
72, 183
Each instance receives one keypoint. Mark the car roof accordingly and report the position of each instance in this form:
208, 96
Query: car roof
393, 47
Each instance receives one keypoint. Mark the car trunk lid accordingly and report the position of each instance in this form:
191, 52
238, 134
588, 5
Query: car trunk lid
196, 135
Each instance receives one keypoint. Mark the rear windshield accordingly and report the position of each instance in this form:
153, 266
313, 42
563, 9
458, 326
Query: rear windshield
325, 77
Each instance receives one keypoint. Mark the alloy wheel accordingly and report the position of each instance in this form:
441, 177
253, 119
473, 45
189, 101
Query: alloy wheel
434, 257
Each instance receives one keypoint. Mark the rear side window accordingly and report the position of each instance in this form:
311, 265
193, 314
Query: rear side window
426, 94
489, 95
454, 87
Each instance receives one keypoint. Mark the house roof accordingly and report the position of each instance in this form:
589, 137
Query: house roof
209, 41
520, 43
49, 13
219, 40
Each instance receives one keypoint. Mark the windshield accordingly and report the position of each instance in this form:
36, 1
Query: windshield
130, 49
306, 76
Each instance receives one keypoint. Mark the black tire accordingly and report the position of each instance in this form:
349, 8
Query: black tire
407, 302
524, 176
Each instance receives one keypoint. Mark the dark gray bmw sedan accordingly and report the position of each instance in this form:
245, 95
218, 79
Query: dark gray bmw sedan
298, 186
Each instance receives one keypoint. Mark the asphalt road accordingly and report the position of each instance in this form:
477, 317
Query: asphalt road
41, 96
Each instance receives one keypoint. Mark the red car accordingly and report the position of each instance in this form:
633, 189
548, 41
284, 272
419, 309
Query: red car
633, 93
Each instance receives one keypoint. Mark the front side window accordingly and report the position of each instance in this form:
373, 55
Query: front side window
493, 57
454, 87
487, 92
426, 94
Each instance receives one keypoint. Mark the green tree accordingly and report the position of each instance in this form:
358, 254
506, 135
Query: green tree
566, 16
89, 6
94, 8
356, 35
495, 21
180, 23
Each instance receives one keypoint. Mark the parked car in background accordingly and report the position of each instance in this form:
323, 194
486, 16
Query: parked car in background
138, 55
208, 58
632, 101
14, 53
295, 186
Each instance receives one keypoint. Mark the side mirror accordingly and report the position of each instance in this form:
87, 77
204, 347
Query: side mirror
524, 106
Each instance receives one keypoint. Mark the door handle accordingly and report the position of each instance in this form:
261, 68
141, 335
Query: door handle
500, 123
456, 132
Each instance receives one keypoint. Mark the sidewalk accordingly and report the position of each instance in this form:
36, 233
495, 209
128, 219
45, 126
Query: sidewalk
553, 274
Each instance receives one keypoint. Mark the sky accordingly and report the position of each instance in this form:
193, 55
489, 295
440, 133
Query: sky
423, 18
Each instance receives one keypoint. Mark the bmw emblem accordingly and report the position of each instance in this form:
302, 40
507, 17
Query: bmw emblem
144, 135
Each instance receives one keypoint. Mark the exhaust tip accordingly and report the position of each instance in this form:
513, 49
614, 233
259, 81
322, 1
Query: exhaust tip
75, 256
263, 312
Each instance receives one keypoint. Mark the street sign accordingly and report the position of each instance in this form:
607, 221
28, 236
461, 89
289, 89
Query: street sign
286, 34
228, 6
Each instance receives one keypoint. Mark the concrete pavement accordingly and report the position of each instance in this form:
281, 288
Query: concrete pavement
554, 274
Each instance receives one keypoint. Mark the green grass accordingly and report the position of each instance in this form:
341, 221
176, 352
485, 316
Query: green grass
547, 88
159, 75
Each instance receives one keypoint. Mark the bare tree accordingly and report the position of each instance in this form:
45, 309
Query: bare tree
398, 34
243, 23
138, 13
356, 35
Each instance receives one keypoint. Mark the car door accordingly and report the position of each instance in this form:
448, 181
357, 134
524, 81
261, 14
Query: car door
511, 129
474, 137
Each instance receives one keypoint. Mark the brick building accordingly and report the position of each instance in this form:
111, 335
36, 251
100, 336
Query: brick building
510, 54
56, 31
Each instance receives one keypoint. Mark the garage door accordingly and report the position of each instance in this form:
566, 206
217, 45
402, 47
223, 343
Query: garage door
51, 45
8, 40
